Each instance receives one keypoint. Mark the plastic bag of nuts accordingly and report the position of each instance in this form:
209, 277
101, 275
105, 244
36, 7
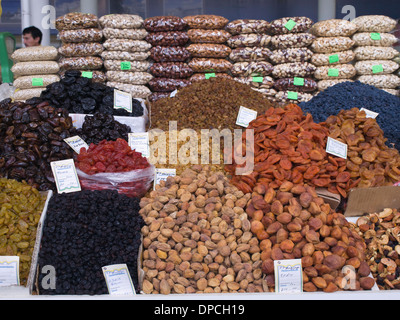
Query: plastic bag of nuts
167, 84
36, 53
126, 45
210, 65
129, 77
208, 36
76, 20
375, 66
202, 76
364, 39
290, 55
339, 71
167, 38
125, 56
154, 96
169, 54
324, 84
206, 21
387, 81
249, 40
81, 63
25, 94
82, 49
374, 23
269, 93
285, 96
293, 69
323, 59
39, 67
333, 28
375, 53
331, 44
175, 70
245, 69
164, 23
209, 50
240, 26
250, 54
133, 34
137, 91
121, 21
27, 82
292, 40
266, 82
117, 65
289, 84
95, 75
283, 25
81, 35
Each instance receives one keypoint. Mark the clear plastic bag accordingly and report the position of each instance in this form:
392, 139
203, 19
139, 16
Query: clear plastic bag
240, 26
81, 35
375, 53
125, 56
137, 91
25, 94
331, 44
202, 76
36, 53
279, 26
81, 63
293, 69
164, 23
292, 40
324, 84
27, 82
324, 59
290, 55
175, 70
121, 21
127, 45
129, 77
81, 49
169, 54
249, 40
245, 69
208, 65
208, 36
288, 84
118, 65
76, 20
339, 71
250, 54
334, 28
264, 83
132, 34
365, 39
167, 38
375, 66
167, 85
39, 67
209, 50
206, 21
375, 23
133, 183
387, 81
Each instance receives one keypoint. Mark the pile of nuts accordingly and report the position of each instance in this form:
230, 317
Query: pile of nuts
197, 237
294, 223
381, 233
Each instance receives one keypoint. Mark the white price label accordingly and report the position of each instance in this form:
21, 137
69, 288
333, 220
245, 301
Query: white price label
245, 116
76, 143
9, 271
288, 276
140, 142
65, 176
162, 175
118, 280
122, 100
369, 113
336, 148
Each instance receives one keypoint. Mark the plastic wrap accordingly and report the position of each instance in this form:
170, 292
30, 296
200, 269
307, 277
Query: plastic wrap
202, 76
375, 66
387, 81
375, 53
292, 40
283, 96
250, 54
164, 23
154, 96
324, 84
210, 65
171, 38
127, 45
167, 85
81, 49
81, 35
208, 36
323, 59
288, 84
174, 70
95, 75
125, 56
132, 34
76, 20
129, 77
118, 65
331, 44
293, 69
374, 23
257, 83
245, 69
81, 63
39, 67
249, 40
365, 39
25, 94
209, 50
137, 91
36, 53
121, 21
169, 54
334, 28
206, 21
290, 55
280, 26
240, 26
27, 82
339, 71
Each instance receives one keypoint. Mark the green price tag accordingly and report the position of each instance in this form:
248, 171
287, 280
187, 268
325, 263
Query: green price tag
125, 65
378, 68
298, 81
290, 24
209, 75
375, 36
292, 95
333, 58
258, 79
333, 72
87, 74
37, 82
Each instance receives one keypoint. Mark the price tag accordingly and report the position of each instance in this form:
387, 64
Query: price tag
336, 148
369, 113
333, 72
125, 65
288, 276
377, 68
118, 280
76, 143
140, 142
292, 95
162, 175
333, 58
37, 82
209, 75
290, 24
65, 176
245, 116
298, 81
258, 79
375, 36
122, 100
87, 74
9, 271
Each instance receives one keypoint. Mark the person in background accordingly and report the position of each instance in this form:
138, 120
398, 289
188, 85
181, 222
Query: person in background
32, 36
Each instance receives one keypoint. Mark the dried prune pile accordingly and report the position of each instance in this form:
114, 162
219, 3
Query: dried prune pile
79, 94
102, 126
85, 231
31, 136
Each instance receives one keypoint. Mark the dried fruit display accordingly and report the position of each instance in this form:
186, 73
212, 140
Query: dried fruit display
292, 222
21, 208
31, 136
370, 162
381, 232
86, 231
290, 147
